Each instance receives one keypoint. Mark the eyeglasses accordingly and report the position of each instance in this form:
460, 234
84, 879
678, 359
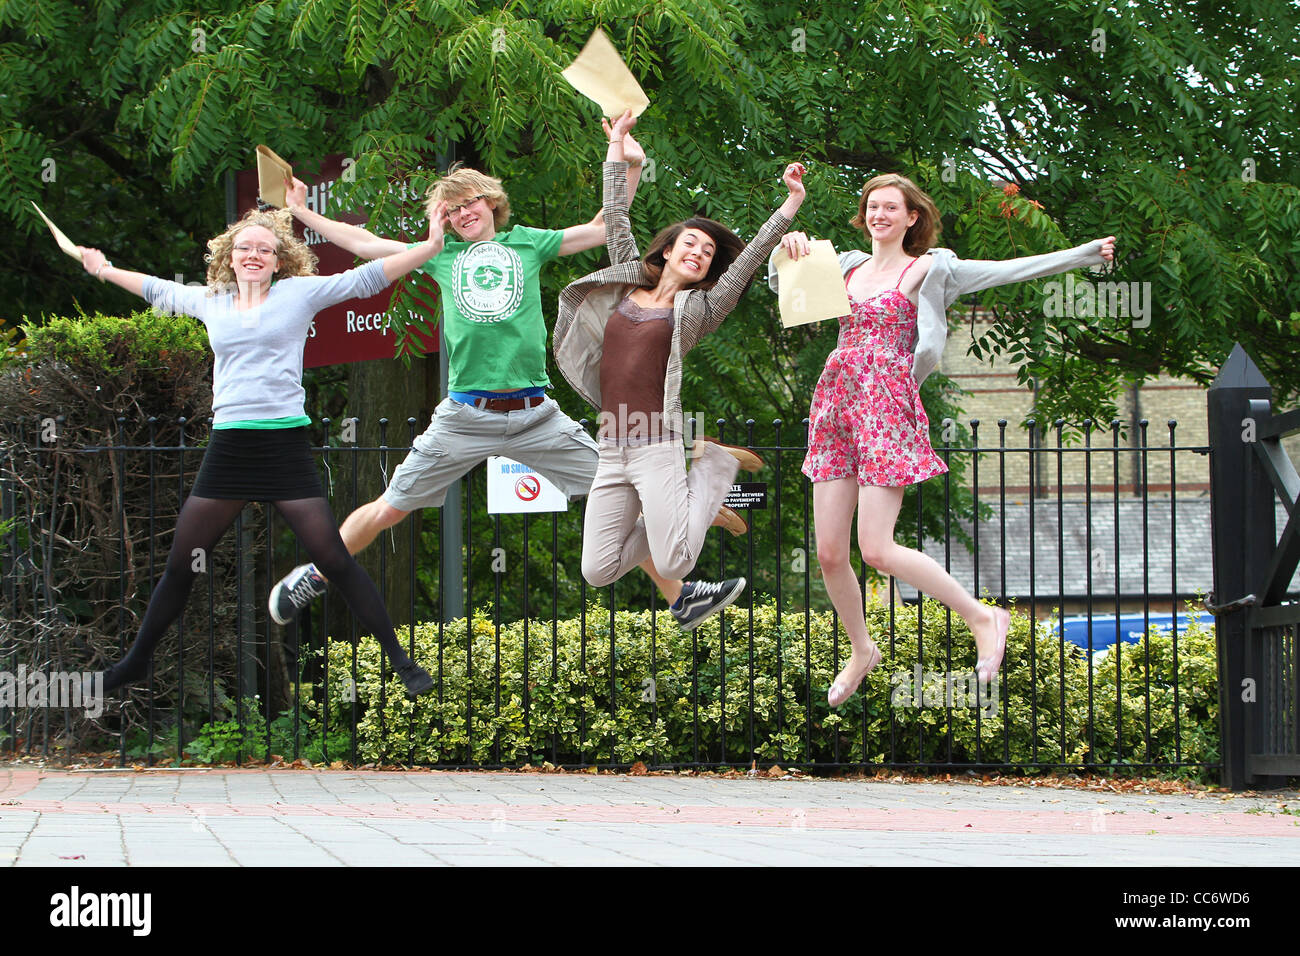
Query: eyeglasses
452, 210
244, 249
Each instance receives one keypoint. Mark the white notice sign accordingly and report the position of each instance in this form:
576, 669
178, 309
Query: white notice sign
514, 488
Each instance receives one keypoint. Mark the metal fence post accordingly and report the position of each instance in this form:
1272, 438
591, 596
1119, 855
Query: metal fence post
452, 527
1243, 537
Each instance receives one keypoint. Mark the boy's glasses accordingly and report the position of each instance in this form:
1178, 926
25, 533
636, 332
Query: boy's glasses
452, 210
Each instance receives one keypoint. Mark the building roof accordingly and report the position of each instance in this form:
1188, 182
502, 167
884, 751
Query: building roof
1177, 553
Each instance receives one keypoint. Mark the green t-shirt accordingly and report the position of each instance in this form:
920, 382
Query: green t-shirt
492, 308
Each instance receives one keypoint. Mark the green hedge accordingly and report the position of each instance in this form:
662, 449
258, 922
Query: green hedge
655, 722
110, 344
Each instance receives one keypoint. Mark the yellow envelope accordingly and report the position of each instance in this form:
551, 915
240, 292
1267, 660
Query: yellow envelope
600, 74
272, 171
811, 289
64, 242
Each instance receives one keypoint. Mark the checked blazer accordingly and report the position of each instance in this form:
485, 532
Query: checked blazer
587, 304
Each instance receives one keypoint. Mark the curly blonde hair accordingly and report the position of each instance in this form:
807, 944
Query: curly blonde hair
461, 183
293, 257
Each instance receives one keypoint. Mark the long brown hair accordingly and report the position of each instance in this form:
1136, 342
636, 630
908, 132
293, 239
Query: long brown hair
922, 234
727, 245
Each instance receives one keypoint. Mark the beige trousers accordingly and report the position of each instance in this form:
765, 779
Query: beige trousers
643, 503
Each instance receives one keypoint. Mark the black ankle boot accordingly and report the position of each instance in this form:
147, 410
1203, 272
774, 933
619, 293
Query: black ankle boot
123, 673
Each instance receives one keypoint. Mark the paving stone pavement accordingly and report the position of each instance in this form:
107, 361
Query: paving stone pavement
340, 818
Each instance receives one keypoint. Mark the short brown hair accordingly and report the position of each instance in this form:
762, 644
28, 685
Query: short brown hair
922, 234
293, 257
460, 183
729, 246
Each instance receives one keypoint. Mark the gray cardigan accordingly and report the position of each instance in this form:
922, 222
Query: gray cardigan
950, 278
587, 304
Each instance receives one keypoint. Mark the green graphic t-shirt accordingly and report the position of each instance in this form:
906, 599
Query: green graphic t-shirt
492, 308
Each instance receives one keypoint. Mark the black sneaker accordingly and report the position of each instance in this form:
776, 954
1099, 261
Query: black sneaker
295, 591
701, 598
417, 680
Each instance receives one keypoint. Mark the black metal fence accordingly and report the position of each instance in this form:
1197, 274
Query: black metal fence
533, 665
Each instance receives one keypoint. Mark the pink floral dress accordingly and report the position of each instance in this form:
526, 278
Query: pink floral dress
866, 420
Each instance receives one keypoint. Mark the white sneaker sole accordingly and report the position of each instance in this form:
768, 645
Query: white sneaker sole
722, 605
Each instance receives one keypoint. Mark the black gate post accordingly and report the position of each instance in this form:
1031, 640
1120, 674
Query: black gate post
1243, 539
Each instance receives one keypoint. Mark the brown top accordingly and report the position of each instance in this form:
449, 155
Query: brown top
633, 364
586, 305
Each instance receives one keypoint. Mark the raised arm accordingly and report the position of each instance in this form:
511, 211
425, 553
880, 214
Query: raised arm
589, 235
622, 148
400, 263
163, 295
972, 275
731, 285
634, 156
358, 241
97, 264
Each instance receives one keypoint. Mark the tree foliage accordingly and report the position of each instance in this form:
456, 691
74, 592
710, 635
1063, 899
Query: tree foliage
1168, 124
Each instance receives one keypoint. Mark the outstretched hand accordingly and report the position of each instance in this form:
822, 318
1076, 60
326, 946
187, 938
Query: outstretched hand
91, 259
793, 179
295, 193
620, 126
632, 151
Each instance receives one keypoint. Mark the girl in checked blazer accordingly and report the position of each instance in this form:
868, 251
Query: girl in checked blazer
620, 339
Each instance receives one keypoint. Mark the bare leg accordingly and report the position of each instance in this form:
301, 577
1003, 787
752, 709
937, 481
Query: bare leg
365, 524
361, 527
670, 588
877, 514
833, 505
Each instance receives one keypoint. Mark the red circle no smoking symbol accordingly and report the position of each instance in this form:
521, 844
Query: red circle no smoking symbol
528, 488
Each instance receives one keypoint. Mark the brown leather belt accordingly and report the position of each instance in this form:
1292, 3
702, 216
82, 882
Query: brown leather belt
508, 404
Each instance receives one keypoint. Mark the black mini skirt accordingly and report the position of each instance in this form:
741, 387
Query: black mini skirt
258, 464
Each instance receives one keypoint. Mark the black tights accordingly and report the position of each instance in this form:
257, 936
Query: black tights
200, 526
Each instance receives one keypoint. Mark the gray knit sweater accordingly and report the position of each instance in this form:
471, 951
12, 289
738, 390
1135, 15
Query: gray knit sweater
258, 369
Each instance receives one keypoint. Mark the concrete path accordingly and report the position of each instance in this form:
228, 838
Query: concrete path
344, 818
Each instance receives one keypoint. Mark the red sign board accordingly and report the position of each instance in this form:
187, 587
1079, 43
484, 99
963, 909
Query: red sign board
355, 330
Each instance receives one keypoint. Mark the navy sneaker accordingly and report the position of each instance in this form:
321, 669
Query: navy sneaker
295, 591
702, 598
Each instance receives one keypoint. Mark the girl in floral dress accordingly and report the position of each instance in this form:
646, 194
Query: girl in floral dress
868, 434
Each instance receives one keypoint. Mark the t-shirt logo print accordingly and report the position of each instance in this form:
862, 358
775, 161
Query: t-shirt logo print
488, 281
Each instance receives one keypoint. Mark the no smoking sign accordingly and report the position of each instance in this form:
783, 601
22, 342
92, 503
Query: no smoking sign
515, 488
528, 488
